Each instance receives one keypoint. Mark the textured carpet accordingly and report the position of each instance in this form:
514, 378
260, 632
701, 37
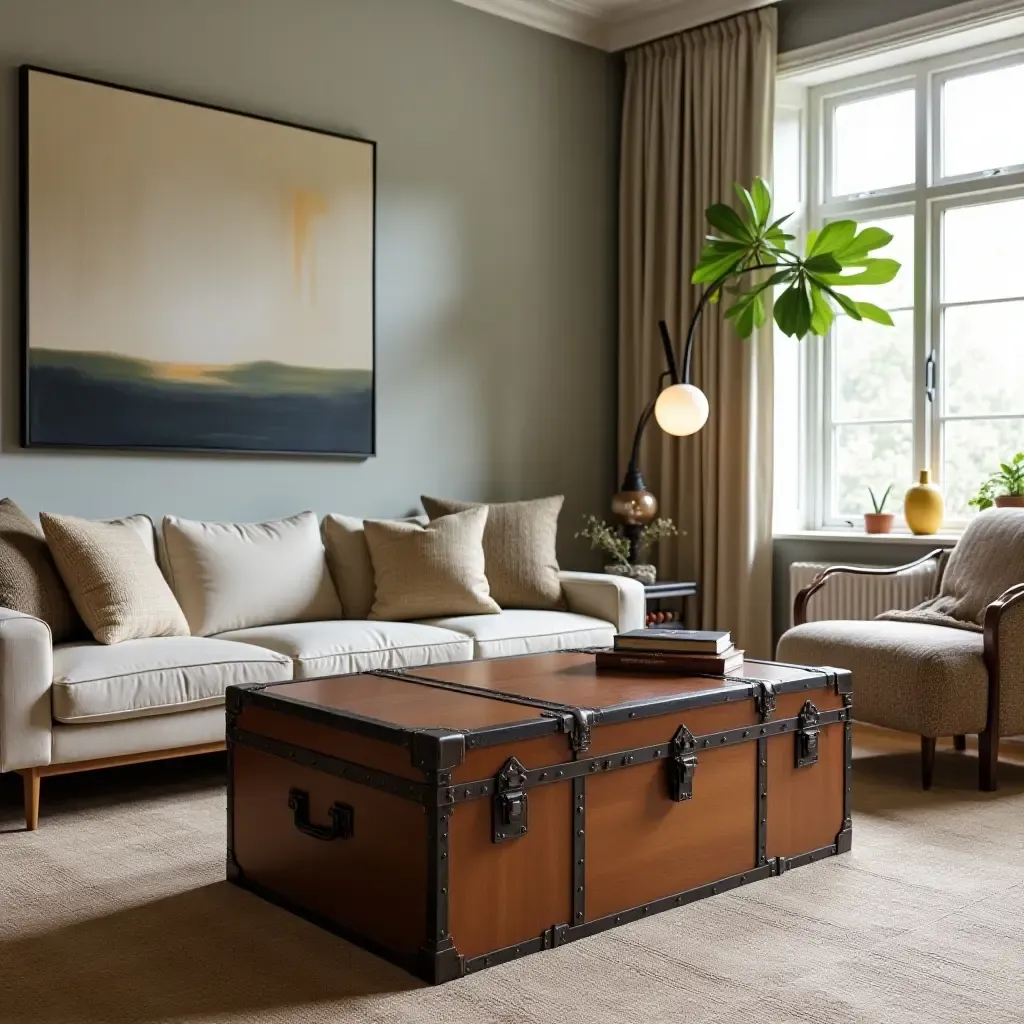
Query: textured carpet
115, 911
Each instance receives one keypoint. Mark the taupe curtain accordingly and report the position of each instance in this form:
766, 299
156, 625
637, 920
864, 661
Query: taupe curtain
697, 116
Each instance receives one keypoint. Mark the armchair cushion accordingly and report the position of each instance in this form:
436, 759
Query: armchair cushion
912, 676
987, 560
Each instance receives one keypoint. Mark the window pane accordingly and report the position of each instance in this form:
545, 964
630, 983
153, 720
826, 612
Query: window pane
980, 257
977, 135
871, 456
983, 359
874, 369
972, 451
787, 183
873, 143
898, 293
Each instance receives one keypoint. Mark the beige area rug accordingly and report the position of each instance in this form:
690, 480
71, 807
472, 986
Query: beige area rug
116, 911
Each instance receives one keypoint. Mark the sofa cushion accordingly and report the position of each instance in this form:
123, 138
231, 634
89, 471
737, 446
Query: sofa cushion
236, 575
520, 540
348, 558
425, 571
29, 580
98, 683
342, 646
524, 631
111, 573
906, 675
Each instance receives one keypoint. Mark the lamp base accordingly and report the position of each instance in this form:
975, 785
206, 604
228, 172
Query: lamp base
635, 509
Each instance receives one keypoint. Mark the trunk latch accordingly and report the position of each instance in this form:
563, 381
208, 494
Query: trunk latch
682, 765
807, 736
510, 811
764, 697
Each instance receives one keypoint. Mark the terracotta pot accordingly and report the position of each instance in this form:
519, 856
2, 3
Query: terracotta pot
878, 522
1010, 501
923, 506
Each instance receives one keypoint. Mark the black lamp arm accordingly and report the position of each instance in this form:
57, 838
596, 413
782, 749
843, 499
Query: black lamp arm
633, 481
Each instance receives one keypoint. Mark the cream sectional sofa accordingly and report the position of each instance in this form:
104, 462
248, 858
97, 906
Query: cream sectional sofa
78, 706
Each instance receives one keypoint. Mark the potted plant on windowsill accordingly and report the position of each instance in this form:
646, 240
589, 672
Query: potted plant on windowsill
1004, 489
615, 545
878, 521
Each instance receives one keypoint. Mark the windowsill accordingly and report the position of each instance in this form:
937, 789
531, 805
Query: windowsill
941, 540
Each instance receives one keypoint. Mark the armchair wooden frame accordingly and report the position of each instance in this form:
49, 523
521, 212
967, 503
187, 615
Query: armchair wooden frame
988, 739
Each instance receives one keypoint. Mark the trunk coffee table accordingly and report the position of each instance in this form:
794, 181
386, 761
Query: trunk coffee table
455, 817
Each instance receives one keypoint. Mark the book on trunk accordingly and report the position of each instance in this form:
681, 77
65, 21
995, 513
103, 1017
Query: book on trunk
670, 663
680, 641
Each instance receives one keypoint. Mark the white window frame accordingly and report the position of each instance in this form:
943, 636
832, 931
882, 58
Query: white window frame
927, 198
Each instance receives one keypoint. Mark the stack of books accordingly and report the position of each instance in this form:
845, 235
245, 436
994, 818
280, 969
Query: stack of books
672, 651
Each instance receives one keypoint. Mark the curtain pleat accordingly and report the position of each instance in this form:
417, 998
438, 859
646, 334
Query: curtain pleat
697, 117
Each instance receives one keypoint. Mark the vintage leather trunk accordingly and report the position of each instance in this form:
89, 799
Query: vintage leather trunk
455, 817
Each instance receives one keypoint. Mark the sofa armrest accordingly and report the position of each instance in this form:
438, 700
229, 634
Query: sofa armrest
615, 599
803, 597
26, 674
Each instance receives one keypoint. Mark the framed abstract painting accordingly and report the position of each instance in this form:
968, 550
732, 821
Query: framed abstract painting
193, 278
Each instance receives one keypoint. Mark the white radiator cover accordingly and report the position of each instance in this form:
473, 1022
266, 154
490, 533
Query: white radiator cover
846, 596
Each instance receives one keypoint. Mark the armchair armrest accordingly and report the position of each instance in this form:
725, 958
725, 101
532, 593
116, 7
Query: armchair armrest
1004, 659
26, 674
804, 596
616, 599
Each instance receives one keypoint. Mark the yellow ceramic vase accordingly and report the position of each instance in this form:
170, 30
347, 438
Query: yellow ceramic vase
923, 507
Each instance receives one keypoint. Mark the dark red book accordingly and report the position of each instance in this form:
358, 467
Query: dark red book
668, 663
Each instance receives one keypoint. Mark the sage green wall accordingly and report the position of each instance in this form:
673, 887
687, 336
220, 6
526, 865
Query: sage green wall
496, 244
807, 22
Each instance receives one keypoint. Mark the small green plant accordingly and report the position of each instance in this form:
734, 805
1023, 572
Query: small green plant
609, 540
1008, 482
879, 506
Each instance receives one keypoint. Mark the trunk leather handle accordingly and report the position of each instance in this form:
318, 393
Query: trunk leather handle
342, 824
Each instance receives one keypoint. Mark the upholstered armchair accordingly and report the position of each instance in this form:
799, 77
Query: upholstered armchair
926, 677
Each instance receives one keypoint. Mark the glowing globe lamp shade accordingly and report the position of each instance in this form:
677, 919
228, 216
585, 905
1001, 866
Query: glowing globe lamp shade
681, 410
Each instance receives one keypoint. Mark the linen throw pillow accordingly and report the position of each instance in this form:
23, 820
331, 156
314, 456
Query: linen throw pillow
520, 542
348, 558
427, 572
113, 578
29, 580
236, 575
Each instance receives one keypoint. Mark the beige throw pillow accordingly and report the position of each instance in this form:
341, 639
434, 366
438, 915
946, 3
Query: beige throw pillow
348, 558
29, 580
426, 572
113, 578
520, 543
236, 575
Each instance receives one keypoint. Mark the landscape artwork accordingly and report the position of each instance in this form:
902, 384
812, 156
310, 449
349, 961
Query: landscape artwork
194, 278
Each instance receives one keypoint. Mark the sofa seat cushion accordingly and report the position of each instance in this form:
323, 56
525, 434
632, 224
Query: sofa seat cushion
919, 678
343, 646
107, 682
527, 631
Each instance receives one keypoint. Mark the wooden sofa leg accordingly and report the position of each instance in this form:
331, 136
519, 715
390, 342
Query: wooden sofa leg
31, 778
927, 761
960, 743
988, 762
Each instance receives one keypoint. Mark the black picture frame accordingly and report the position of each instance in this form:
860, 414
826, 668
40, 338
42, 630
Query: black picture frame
25, 71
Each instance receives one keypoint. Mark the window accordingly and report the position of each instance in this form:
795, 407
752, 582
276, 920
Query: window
934, 153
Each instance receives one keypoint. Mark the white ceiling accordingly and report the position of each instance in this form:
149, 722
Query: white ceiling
614, 24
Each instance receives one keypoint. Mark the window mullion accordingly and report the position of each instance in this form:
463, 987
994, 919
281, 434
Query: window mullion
924, 448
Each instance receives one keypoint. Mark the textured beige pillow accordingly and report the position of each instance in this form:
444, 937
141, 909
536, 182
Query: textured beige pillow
113, 578
520, 543
348, 558
235, 575
426, 572
29, 580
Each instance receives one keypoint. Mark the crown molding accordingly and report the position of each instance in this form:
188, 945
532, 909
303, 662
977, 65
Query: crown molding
632, 23
965, 24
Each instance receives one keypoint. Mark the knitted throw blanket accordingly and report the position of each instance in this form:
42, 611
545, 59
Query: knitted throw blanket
988, 560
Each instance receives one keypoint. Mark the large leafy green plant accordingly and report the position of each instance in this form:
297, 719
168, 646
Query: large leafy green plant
750, 242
